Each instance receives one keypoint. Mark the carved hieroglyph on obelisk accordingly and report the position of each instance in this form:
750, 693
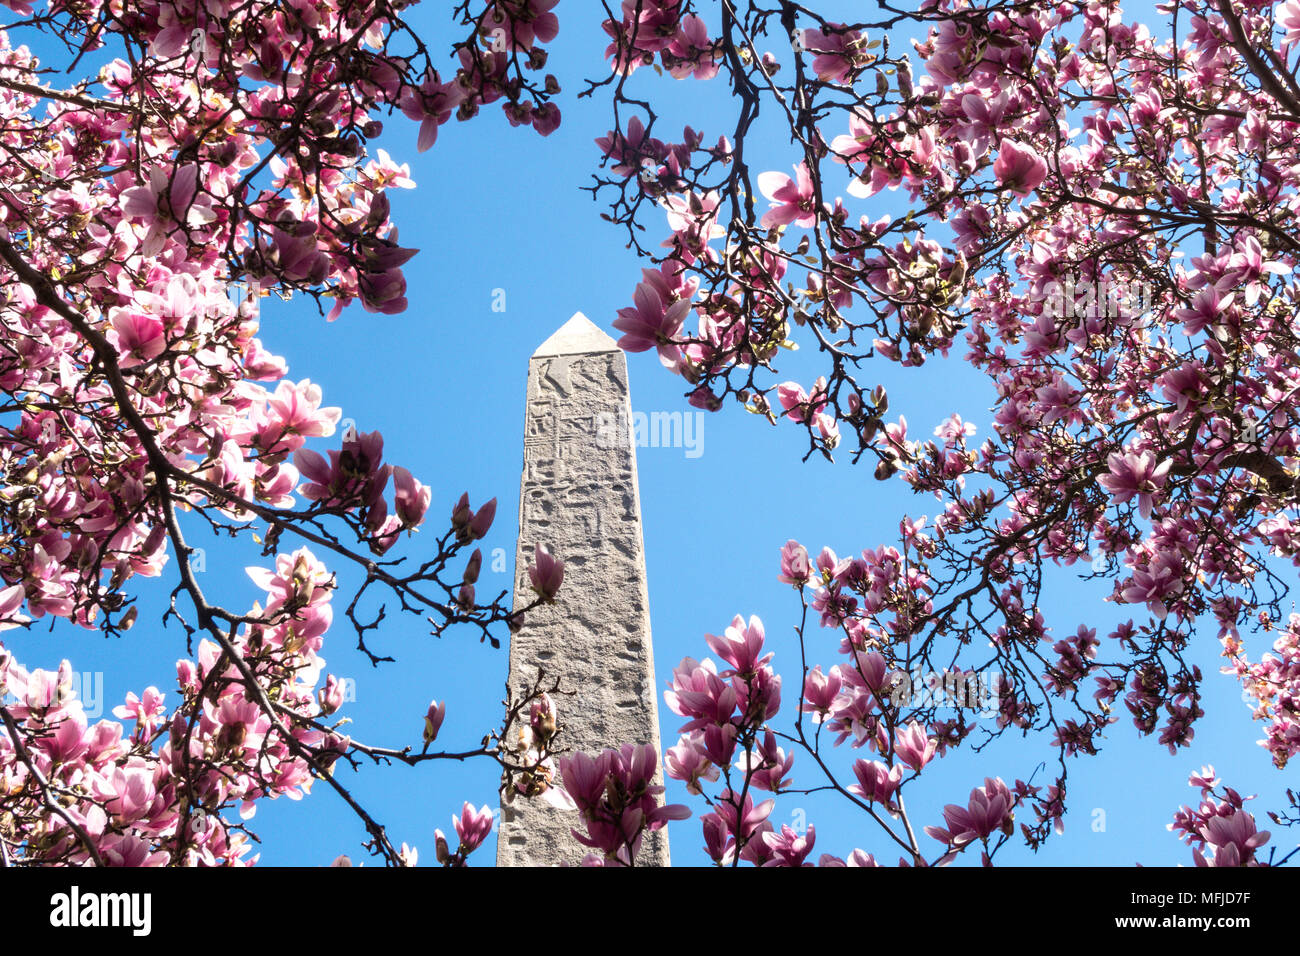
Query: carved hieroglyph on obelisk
578, 497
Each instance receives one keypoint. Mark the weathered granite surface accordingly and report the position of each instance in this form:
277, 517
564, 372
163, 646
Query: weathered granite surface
578, 497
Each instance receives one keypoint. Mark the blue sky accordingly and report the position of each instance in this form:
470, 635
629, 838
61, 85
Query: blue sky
498, 208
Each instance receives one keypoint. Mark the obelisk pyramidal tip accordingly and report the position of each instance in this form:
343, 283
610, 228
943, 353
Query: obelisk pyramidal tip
577, 336
578, 497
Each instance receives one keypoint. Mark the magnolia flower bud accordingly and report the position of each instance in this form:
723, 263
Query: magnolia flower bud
330, 697
155, 539
880, 399
905, 79
461, 514
380, 207
410, 498
958, 272
546, 574
482, 520
473, 567
963, 158
542, 720
433, 721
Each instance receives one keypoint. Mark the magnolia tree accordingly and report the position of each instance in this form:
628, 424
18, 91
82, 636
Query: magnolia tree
1100, 216
1100, 213
218, 146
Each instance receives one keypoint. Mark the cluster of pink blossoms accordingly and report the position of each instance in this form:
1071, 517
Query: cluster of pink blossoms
355, 477
1273, 684
859, 701
618, 801
472, 827
651, 29
215, 152
1143, 425
1220, 831
729, 737
161, 790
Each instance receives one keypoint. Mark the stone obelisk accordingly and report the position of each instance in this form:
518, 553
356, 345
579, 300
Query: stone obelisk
578, 497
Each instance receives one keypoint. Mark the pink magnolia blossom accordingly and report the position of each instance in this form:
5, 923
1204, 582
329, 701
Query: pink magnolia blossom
1019, 167
171, 198
794, 564
793, 200
526, 22
1210, 307
651, 323
11, 599
411, 499
740, 646
692, 51
687, 762
856, 858
766, 766
139, 337
913, 747
877, 783
542, 720
990, 810
838, 53
821, 691
473, 826
1156, 583
433, 721
293, 413
647, 27
617, 801
546, 119
1136, 474
546, 573
330, 697
353, 475
733, 824
788, 847
1288, 17
629, 150
147, 711
430, 104
1234, 840
700, 694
